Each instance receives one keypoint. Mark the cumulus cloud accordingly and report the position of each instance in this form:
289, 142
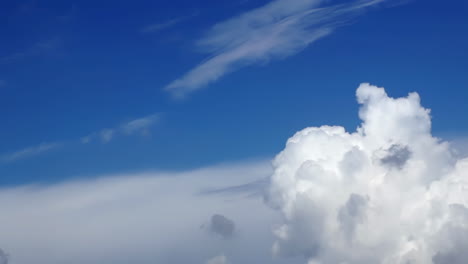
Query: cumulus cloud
222, 226
29, 151
389, 192
221, 259
276, 30
460, 147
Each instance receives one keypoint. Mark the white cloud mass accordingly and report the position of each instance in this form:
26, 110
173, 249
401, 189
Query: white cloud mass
388, 193
276, 30
144, 218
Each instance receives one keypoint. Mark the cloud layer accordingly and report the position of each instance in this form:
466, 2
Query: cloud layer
276, 30
388, 193
145, 218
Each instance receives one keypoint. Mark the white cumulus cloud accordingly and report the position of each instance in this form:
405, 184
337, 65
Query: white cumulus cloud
387, 193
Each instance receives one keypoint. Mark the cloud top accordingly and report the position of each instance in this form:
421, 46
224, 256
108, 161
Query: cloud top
388, 193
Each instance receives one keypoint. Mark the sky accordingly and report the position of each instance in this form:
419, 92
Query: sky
169, 119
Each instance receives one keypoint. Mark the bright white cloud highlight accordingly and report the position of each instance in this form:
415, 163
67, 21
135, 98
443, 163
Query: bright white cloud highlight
388, 193
276, 30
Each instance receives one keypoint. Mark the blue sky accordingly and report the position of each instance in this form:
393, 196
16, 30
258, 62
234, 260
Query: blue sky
72, 69
114, 87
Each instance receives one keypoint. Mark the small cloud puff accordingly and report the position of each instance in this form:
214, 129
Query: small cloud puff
221, 226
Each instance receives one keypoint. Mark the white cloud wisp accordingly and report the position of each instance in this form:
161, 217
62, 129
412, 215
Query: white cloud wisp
140, 126
30, 151
276, 30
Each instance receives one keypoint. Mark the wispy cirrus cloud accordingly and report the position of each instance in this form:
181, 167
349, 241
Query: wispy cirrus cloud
276, 30
157, 27
30, 151
140, 126
38, 48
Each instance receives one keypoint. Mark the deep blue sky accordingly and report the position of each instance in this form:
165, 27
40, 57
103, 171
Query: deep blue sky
70, 69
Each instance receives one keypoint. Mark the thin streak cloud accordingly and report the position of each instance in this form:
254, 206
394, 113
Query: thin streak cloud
157, 27
276, 30
137, 126
39, 48
30, 151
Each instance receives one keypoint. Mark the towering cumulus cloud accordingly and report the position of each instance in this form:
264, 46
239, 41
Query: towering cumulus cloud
388, 193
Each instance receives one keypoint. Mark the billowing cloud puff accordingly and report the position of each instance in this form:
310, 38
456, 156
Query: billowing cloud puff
388, 193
